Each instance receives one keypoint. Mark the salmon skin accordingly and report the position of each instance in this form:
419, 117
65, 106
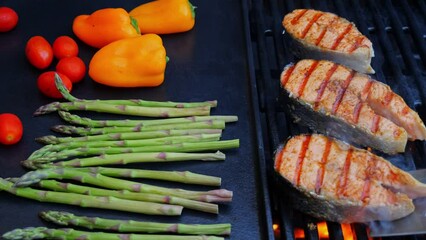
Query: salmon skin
335, 100
322, 35
335, 181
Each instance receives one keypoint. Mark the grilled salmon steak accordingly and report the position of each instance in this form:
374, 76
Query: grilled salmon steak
332, 180
322, 35
338, 101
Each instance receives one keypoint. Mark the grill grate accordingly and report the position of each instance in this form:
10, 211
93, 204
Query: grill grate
397, 30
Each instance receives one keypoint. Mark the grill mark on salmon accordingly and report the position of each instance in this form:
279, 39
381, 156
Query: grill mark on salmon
357, 111
299, 164
300, 15
341, 93
308, 27
341, 36
324, 30
287, 75
388, 98
405, 110
366, 91
324, 85
358, 186
369, 174
279, 159
306, 78
344, 177
321, 170
375, 123
356, 44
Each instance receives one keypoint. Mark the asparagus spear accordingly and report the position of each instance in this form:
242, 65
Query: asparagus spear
125, 143
99, 106
179, 147
125, 158
133, 102
124, 194
75, 119
84, 131
69, 234
69, 219
105, 202
174, 176
50, 139
118, 184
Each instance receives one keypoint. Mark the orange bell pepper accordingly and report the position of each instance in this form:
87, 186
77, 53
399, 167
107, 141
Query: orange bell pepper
130, 62
164, 16
105, 26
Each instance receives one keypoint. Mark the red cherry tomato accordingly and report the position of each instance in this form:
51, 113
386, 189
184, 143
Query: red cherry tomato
46, 84
39, 52
11, 129
73, 67
65, 46
8, 19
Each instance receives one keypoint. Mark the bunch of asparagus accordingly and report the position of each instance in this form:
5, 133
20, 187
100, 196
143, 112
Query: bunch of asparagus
185, 132
127, 141
125, 229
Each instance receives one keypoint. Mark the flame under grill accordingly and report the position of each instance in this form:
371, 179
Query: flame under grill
398, 32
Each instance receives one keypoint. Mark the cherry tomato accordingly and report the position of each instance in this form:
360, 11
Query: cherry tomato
11, 129
8, 19
39, 52
65, 46
73, 67
46, 84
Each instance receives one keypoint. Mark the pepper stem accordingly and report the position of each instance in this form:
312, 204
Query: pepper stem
135, 24
192, 9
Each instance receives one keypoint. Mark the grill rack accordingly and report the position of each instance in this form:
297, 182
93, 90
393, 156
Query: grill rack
397, 30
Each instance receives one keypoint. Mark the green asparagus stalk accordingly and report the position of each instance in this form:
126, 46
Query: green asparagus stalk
133, 102
50, 139
186, 177
70, 234
122, 109
75, 119
185, 147
124, 194
125, 158
124, 143
85, 131
71, 220
105, 202
117, 184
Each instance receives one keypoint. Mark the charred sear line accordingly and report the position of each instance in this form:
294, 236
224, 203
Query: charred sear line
287, 75
369, 173
311, 22
342, 92
356, 44
306, 78
375, 123
324, 31
357, 111
296, 18
301, 157
321, 170
341, 36
324, 84
343, 181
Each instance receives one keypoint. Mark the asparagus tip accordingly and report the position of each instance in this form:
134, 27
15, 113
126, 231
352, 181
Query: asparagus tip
48, 108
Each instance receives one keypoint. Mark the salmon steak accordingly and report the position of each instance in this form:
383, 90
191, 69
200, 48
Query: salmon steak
332, 180
337, 101
322, 35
